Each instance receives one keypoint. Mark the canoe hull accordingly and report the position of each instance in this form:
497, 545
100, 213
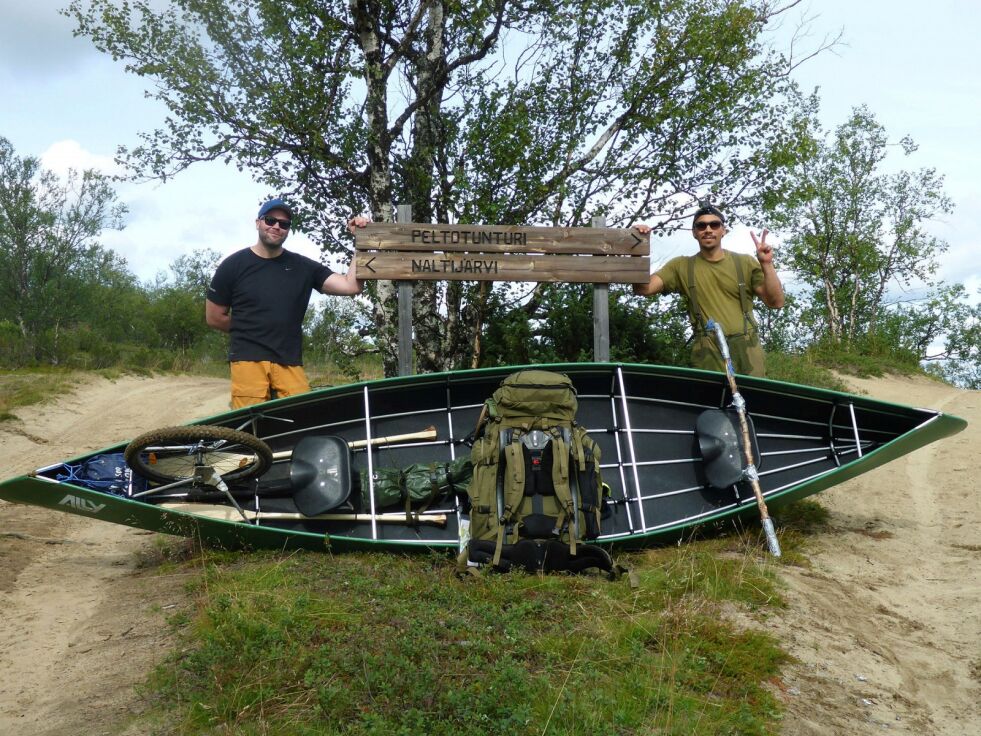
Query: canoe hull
643, 418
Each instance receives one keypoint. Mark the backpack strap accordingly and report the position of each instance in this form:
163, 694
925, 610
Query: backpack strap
745, 301
696, 313
549, 555
510, 483
587, 486
568, 504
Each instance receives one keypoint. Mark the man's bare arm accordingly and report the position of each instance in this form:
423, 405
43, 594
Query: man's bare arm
346, 284
652, 287
217, 316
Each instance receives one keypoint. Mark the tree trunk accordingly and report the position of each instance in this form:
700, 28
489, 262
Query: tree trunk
433, 332
853, 310
385, 309
831, 301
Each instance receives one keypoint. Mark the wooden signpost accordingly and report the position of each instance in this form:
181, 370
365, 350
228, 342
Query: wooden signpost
406, 251
415, 251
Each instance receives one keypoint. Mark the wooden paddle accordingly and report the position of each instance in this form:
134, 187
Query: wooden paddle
749, 470
228, 513
225, 462
427, 434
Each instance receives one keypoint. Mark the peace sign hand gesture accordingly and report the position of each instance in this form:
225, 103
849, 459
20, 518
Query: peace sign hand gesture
764, 252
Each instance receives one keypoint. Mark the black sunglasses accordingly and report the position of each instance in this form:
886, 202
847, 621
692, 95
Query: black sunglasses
270, 221
713, 224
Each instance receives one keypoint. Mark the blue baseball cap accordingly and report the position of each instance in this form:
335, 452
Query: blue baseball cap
275, 204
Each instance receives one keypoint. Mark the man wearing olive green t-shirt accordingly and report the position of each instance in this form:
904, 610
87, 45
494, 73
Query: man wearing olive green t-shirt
719, 285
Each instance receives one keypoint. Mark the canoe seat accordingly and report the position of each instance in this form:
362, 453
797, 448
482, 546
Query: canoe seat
719, 443
320, 474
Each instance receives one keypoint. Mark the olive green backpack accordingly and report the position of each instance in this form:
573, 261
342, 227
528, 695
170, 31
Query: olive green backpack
536, 493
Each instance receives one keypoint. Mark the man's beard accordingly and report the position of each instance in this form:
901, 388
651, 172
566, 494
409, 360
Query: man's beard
271, 244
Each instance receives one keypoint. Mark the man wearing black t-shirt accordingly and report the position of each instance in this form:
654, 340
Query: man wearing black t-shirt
259, 296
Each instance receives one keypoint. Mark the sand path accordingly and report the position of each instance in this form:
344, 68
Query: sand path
81, 625
887, 620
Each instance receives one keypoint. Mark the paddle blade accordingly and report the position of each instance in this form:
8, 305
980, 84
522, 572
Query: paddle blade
719, 442
320, 474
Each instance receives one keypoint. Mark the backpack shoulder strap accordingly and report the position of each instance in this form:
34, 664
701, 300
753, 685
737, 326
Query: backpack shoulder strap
562, 482
694, 310
745, 300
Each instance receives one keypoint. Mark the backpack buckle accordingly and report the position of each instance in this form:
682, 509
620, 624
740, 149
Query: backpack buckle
536, 439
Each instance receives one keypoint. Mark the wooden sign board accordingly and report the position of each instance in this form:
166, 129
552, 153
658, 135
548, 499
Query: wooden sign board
413, 251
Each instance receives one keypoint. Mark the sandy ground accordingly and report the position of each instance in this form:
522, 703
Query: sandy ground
82, 624
885, 622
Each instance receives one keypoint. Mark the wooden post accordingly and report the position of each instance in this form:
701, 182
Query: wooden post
405, 307
601, 314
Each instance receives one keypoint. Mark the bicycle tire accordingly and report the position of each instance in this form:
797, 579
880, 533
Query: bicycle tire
183, 447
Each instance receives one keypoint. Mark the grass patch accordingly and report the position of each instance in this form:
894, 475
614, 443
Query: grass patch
365, 368
867, 360
806, 516
801, 369
24, 388
796, 522
388, 644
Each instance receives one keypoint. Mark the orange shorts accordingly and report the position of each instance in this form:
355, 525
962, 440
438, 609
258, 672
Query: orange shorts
253, 381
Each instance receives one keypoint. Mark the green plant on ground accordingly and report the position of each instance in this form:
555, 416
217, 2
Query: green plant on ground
29, 387
801, 369
387, 644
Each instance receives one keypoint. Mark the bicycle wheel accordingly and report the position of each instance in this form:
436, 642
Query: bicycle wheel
172, 453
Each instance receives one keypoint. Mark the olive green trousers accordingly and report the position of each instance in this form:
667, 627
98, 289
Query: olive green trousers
745, 351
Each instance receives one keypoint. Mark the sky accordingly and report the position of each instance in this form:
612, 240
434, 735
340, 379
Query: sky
913, 64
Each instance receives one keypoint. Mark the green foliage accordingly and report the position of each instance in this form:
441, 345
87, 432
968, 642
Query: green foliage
554, 323
333, 334
383, 644
69, 302
865, 358
623, 109
784, 330
945, 330
859, 239
49, 252
805, 369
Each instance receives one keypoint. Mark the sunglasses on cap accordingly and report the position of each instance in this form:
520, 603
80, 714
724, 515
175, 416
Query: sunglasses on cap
270, 221
711, 224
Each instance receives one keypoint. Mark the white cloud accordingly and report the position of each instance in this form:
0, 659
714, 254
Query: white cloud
61, 156
213, 207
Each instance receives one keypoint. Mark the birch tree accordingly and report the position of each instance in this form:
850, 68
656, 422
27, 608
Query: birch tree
860, 240
492, 111
49, 249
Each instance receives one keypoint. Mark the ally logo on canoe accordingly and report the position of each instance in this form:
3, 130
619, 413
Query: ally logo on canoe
81, 504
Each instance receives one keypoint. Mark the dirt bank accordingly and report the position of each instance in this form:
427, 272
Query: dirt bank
886, 621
